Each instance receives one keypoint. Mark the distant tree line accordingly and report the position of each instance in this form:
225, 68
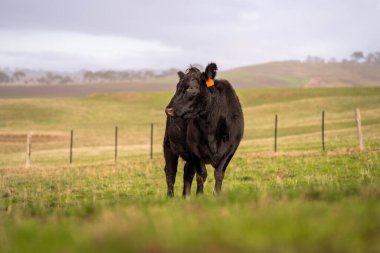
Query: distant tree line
50, 78
355, 57
20, 77
53, 79
126, 75
17, 76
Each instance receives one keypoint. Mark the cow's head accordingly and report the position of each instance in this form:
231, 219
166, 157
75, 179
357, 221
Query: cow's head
193, 93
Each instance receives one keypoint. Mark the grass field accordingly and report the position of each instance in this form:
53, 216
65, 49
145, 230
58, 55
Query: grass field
294, 201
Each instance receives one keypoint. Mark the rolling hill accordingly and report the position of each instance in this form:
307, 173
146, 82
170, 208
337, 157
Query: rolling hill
298, 74
292, 74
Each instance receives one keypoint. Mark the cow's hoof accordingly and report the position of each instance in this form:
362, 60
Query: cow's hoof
217, 192
199, 191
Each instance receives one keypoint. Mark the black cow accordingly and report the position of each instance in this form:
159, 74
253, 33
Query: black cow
204, 125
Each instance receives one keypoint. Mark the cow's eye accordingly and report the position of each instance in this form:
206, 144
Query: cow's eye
191, 90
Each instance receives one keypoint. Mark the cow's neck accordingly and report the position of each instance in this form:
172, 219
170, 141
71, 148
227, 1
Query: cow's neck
208, 117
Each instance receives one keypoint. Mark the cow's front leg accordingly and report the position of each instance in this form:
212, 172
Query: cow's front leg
219, 176
188, 175
171, 162
201, 177
219, 173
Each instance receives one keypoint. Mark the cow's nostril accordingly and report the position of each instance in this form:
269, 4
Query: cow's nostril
169, 111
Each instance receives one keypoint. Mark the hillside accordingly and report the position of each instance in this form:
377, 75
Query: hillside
298, 74
295, 74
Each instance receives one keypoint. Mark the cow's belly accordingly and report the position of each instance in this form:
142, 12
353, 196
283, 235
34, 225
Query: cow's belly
199, 145
202, 151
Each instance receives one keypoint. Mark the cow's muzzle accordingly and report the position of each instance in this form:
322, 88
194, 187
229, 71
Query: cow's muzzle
170, 112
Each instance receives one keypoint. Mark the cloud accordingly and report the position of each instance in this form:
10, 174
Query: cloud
170, 33
73, 50
249, 16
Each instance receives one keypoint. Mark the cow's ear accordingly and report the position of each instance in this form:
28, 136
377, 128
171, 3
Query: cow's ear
209, 74
211, 71
180, 74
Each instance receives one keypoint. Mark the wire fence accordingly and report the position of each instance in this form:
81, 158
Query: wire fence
73, 153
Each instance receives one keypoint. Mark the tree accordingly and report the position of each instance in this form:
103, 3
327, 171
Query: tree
66, 80
42, 80
4, 78
18, 75
373, 58
314, 59
88, 76
357, 56
370, 58
376, 57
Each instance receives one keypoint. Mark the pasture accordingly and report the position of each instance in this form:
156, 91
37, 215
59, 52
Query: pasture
300, 199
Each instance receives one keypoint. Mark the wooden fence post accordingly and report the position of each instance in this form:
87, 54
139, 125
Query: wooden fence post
28, 149
151, 141
275, 133
115, 144
323, 130
359, 128
71, 145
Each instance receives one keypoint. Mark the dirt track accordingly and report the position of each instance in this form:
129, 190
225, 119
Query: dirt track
76, 90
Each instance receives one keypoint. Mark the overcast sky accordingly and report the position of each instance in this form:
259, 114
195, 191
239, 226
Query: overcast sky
124, 34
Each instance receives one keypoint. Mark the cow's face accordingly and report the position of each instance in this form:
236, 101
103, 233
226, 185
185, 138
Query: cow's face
192, 94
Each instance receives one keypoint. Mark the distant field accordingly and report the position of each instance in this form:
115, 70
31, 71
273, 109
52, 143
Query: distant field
78, 90
285, 74
299, 200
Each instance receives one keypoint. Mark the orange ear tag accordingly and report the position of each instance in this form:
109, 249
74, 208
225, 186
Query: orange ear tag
210, 82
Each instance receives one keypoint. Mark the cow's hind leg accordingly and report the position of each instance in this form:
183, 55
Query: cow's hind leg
201, 177
171, 162
188, 176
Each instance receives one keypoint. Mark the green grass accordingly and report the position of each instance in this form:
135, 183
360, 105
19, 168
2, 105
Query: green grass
305, 203
293, 201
